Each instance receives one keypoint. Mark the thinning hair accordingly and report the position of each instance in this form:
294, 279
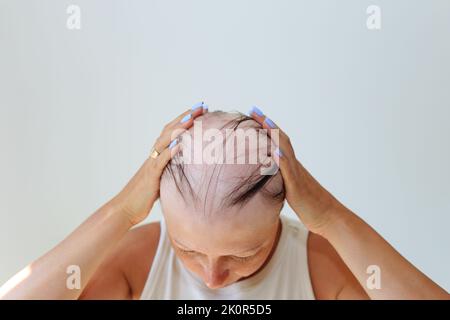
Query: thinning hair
248, 181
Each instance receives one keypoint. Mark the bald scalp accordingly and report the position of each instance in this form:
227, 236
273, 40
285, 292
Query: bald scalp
234, 153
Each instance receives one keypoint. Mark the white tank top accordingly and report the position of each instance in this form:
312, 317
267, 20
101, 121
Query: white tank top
285, 276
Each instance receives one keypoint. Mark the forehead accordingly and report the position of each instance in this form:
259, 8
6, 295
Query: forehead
220, 235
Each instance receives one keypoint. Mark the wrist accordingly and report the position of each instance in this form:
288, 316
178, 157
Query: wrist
319, 210
116, 211
136, 199
314, 200
339, 220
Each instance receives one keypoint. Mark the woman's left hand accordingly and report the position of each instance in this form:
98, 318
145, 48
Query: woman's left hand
310, 201
356, 243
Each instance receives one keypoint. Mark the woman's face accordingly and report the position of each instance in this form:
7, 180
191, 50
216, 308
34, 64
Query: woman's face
226, 247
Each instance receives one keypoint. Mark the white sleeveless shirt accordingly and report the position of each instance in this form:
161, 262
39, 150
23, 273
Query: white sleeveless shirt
285, 276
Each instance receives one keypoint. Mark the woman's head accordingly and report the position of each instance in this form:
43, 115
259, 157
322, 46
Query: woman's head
222, 211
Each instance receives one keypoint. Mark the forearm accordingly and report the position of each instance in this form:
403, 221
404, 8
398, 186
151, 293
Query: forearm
90, 243
360, 246
85, 247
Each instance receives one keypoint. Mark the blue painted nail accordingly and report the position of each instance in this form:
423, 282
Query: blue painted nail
278, 152
270, 123
197, 105
173, 143
205, 107
186, 118
256, 110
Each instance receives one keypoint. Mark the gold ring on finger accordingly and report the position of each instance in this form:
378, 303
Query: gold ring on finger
154, 153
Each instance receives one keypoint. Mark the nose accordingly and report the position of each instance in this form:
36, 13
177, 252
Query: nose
215, 274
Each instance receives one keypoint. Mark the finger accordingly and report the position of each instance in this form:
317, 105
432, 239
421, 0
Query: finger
179, 125
264, 121
286, 167
277, 155
166, 155
279, 137
257, 114
282, 151
196, 110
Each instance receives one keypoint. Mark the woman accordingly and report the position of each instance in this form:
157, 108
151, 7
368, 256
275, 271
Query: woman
222, 234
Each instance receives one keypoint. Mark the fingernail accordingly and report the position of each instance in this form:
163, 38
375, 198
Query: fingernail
256, 110
205, 108
186, 118
278, 152
270, 123
197, 105
173, 143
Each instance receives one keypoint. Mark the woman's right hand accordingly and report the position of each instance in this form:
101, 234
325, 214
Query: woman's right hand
139, 195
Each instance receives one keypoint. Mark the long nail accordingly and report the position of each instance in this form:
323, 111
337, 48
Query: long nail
197, 105
256, 110
186, 118
278, 152
173, 143
270, 123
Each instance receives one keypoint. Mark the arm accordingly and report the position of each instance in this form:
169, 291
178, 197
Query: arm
330, 277
357, 244
360, 246
95, 239
86, 247
123, 273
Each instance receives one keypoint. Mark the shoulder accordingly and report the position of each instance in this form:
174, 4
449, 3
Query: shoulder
294, 228
123, 272
330, 277
135, 254
143, 236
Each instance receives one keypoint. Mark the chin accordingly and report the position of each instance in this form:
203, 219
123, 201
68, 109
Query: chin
227, 282
220, 286
230, 282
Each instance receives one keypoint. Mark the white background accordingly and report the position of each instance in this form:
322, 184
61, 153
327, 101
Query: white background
368, 111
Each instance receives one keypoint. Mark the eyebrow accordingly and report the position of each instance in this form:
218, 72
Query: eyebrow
180, 244
245, 251
253, 248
